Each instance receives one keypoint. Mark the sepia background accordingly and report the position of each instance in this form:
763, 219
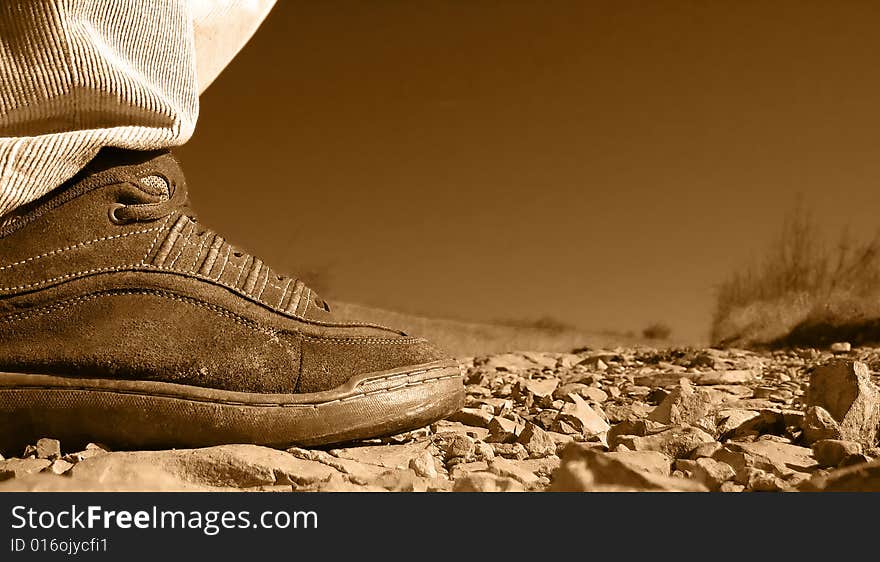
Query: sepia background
604, 164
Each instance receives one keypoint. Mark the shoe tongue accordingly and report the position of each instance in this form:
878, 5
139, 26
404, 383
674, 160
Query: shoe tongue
157, 173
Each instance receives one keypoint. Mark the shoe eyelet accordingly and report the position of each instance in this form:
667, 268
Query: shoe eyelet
114, 218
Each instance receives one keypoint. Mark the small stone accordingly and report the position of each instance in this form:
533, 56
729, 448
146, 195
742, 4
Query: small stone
484, 451
676, 442
760, 481
83, 455
401, 481
475, 417
730, 486
583, 469
712, 473
510, 451
423, 465
831, 452
503, 430
510, 469
537, 392
562, 392
486, 482
536, 441
706, 450
60, 466
460, 446
841, 347
22, 467
684, 405
818, 425
48, 449
580, 416
644, 461
594, 394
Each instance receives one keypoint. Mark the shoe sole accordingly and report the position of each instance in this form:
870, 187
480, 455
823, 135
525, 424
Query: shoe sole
152, 415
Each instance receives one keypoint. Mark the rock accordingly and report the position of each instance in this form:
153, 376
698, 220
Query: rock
83, 455
582, 418
709, 472
860, 478
22, 467
676, 442
355, 471
460, 446
226, 466
730, 486
706, 450
48, 449
831, 452
845, 390
708, 378
583, 469
841, 347
484, 451
739, 422
562, 392
684, 405
594, 394
459, 470
818, 425
757, 480
423, 465
388, 456
780, 459
486, 482
503, 430
511, 469
632, 427
476, 417
537, 392
60, 466
644, 461
536, 441
852, 460
401, 481
510, 451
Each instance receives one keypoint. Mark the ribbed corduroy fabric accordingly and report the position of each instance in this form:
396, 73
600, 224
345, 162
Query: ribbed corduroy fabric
78, 75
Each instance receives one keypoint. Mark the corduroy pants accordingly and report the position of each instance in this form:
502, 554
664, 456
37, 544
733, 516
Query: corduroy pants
78, 75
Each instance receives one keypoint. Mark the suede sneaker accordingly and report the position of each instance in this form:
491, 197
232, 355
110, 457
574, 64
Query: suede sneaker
125, 321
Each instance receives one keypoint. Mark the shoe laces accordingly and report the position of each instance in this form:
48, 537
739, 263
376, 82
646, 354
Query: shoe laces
171, 200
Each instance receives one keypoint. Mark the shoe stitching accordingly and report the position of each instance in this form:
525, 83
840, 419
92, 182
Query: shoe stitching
140, 266
222, 269
284, 293
357, 396
240, 271
265, 284
184, 245
76, 246
156, 239
192, 268
195, 302
42, 311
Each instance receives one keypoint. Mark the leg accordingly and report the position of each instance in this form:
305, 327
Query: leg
82, 75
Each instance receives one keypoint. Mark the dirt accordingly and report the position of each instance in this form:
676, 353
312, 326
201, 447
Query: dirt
635, 419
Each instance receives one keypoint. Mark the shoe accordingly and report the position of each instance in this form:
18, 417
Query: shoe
124, 321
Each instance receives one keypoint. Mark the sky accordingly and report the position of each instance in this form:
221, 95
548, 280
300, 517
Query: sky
604, 163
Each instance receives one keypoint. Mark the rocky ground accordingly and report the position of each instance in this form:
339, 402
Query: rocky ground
612, 420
